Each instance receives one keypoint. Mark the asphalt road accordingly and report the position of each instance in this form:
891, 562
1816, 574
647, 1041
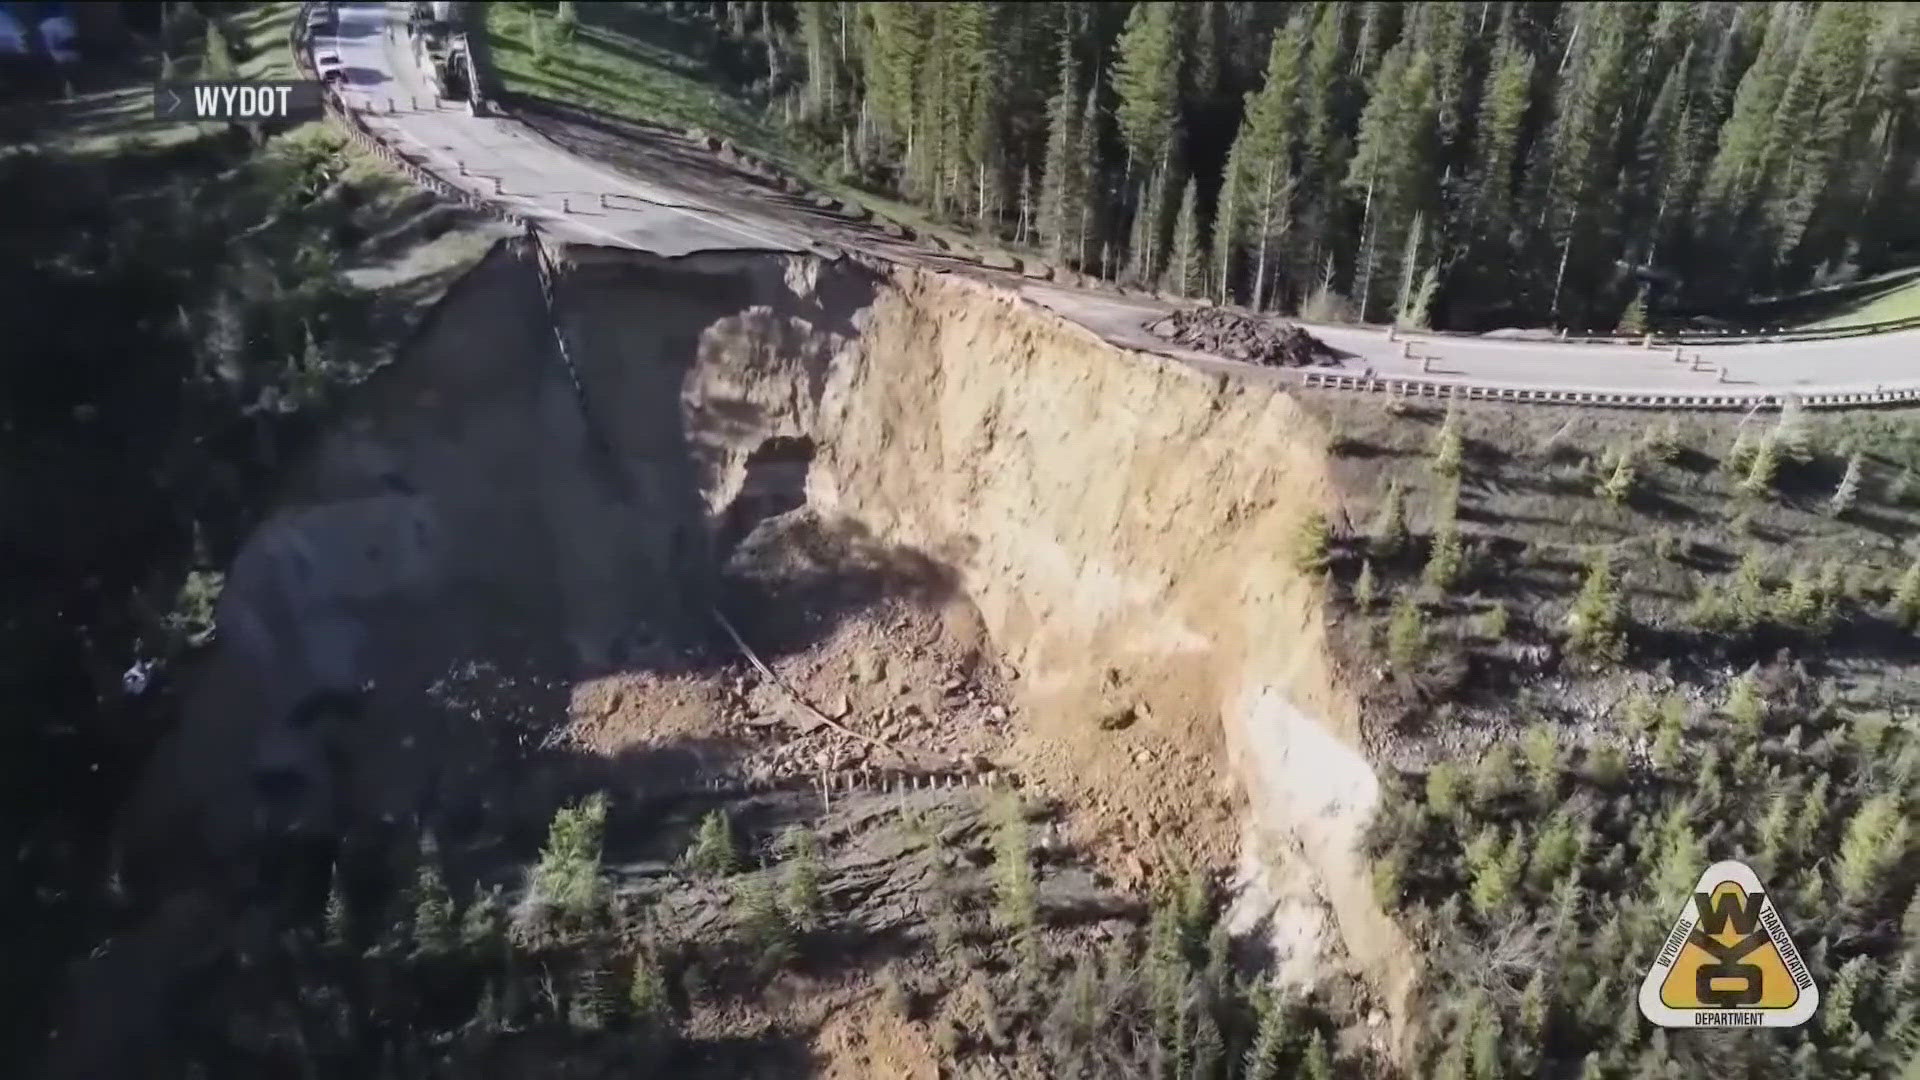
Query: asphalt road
499, 159
580, 200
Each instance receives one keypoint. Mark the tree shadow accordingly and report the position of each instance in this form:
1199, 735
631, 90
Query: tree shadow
823, 571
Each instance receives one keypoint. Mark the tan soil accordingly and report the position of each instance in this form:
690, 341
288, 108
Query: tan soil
1006, 513
866, 1038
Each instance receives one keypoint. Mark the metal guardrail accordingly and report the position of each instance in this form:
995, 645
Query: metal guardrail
1743, 337
1427, 388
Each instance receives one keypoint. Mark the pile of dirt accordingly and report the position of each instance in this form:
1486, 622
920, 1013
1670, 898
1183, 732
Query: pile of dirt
1243, 337
901, 665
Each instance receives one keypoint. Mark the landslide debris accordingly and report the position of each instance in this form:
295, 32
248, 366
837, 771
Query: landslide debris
1243, 337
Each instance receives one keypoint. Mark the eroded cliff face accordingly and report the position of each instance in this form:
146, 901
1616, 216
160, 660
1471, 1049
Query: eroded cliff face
1122, 523
1121, 514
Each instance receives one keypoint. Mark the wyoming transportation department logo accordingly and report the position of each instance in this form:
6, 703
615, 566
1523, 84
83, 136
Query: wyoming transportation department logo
1728, 961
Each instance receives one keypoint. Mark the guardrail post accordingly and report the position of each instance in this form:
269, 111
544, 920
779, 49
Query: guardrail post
463, 167
413, 102
1426, 363
497, 189
1676, 354
603, 201
1393, 331
1722, 376
1563, 333
1406, 350
389, 106
566, 205
1647, 342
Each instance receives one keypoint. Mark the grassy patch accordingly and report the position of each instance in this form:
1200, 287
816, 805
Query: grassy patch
628, 62
261, 38
1895, 296
641, 65
1892, 295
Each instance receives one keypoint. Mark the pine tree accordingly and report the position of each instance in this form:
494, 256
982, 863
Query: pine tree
1392, 166
1324, 96
1209, 1048
1798, 603
1579, 170
763, 926
1390, 522
818, 23
1493, 869
800, 894
1761, 471
1225, 239
1310, 542
1014, 887
1790, 433
338, 919
1444, 562
1906, 597
1185, 270
1364, 589
1813, 119
1618, 486
1542, 753
1063, 189
1146, 80
568, 873
1744, 705
1595, 625
1092, 200
1446, 786
1417, 286
1848, 489
1259, 167
1634, 319
587, 1004
1740, 456
1406, 632
1502, 109
1878, 837
1842, 997
1663, 442
1263, 1057
1747, 598
647, 993
433, 910
1202, 70
1449, 449
483, 923
1316, 1064
899, 37
713, 853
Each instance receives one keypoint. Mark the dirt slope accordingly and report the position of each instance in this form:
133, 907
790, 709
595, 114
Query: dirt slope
1120, 524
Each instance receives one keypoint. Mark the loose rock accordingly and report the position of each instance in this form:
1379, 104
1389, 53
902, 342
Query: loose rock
1243, 337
